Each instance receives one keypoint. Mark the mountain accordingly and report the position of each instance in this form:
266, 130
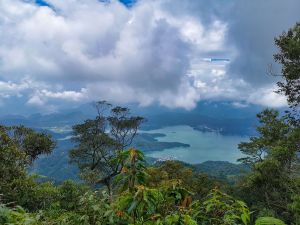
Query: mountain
222, 117
45, 121
221, 169
56, 166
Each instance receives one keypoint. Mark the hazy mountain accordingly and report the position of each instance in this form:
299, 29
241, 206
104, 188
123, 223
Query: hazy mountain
223, 117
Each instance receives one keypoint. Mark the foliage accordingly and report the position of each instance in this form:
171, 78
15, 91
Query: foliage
273, 156
16, 216
92, 209
13, 169
272, 132
289, 57
141, 200
179, 219
35, 196
70, 194
140, 206
31, 143
220, 208
294, 206
170, 203
133, 171
15, 150
95, 208
169, 171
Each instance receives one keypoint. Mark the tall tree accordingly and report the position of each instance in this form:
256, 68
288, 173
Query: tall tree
101, 141
274, 159
289, 57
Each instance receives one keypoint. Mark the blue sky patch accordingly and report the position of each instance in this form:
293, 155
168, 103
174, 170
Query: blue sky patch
128, 2
41, 3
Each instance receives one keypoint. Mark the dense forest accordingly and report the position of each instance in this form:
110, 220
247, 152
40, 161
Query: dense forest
120, 187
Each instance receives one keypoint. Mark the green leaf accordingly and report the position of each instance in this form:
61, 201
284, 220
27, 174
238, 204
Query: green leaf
245, 218
133, 206
268, 221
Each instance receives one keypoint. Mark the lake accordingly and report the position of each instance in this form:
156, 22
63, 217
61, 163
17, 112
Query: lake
204, 146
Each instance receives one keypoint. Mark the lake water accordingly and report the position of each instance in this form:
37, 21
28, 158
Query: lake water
204, 146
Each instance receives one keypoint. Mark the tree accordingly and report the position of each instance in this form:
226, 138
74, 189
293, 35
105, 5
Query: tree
273, 156
31, 143
289, 57
272, 131
19, 147
12, 165
101, 141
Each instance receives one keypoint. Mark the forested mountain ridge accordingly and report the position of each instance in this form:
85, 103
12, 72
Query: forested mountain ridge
57, 168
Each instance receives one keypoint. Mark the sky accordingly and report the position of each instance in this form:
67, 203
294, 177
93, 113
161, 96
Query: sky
56, 54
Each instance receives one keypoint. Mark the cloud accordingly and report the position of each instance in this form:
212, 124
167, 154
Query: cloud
66, 95
79, 51
239, 105
267, 97
40, 97
253, 27
36, 101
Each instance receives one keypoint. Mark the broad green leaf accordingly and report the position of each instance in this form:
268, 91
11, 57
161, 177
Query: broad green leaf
268, 221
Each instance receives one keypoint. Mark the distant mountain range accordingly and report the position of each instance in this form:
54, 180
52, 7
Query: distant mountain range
56, 166
222, 117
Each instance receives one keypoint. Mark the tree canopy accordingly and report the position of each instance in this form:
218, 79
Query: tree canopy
101, 142
288, 56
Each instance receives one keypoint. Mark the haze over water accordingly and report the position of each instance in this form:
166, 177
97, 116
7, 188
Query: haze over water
204, 146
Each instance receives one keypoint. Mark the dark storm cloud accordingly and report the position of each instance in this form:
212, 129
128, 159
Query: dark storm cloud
253, 27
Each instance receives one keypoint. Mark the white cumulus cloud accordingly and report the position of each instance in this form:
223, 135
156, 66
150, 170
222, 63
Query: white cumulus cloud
84, 50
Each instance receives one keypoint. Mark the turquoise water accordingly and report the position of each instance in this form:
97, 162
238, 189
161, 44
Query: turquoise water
204, 146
